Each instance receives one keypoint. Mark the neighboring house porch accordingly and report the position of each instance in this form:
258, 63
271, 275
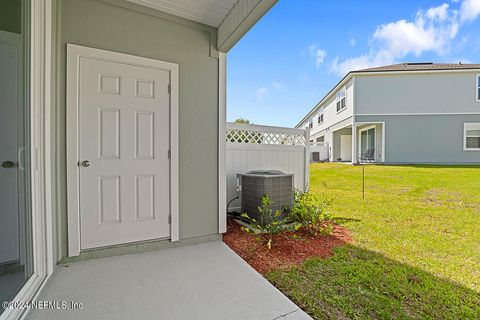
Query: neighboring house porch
342, 145
365, 144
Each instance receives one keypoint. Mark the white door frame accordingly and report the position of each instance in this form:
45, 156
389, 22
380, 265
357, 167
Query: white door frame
374, 127
373, 124
39, 21
74, 54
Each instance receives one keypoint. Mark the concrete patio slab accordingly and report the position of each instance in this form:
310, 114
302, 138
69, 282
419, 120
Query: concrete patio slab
204, 281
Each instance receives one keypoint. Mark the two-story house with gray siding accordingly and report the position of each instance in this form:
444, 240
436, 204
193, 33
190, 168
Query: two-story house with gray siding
402, 113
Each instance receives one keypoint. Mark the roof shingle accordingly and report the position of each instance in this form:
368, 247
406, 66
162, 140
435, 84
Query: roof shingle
421, 66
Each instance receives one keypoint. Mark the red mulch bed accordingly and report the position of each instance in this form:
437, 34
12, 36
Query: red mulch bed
289, 249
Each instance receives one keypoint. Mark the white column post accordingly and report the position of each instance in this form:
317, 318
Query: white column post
354, 142
354, 127
222, 145
383, 142
307, 159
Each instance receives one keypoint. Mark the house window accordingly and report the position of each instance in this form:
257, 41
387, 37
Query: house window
310, 123
321, 139
341, 100
478, 88
471, 136
320, 118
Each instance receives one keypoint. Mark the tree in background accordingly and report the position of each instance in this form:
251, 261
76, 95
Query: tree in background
241, 136
243, 121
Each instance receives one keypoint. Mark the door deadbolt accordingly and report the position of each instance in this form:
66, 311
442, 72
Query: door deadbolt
8, 164
85, 163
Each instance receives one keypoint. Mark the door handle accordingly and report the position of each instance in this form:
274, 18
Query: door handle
8, 164
21, 158
85, 163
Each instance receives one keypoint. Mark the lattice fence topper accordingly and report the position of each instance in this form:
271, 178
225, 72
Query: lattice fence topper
265, 137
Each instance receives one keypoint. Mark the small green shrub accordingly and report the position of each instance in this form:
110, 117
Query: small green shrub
310, 211
270, 223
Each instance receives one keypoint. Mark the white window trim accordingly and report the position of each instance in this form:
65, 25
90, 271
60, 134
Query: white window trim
323, 117
344, 90
477, 87
465, 125
74, 53
341, 110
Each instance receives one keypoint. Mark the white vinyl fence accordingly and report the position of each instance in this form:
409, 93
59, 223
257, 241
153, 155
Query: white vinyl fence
252, 147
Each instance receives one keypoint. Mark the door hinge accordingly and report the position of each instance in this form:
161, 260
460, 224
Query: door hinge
169, 154
170, 219
169, 88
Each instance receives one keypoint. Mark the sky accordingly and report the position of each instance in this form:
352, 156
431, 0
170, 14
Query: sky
301, 48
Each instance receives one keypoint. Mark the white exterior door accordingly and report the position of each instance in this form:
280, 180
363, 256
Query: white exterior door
346, 147
123, 150
9, 105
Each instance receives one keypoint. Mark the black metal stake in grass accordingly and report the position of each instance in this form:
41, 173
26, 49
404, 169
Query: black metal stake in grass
363, 182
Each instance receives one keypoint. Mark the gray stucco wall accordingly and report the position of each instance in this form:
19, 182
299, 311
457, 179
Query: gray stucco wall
425, 138
452, 92
106, 26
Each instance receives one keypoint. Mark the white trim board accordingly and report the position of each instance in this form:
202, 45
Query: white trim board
350, 125
477, 87
222, 144
74, 54
211, 14
369, 122
419, 114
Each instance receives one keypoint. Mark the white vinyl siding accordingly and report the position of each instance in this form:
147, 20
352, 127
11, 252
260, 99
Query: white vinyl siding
471, 136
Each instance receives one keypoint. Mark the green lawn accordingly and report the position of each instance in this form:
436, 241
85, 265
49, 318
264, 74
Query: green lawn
417, 245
